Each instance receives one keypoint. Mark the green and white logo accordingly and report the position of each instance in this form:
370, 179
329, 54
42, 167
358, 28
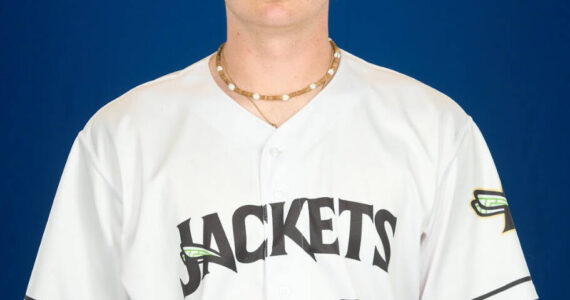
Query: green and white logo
196, 251
488, 203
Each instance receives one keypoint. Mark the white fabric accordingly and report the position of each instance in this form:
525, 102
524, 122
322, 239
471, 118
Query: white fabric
375, 176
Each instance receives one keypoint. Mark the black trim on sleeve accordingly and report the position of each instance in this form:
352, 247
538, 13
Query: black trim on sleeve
28, 298
504, 287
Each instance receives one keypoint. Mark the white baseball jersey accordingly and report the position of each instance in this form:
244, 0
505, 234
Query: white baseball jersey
380, 187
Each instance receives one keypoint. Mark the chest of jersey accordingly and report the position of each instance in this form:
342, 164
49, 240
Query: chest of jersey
328, 217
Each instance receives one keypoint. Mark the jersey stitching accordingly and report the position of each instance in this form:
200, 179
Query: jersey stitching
437, 204
91, 160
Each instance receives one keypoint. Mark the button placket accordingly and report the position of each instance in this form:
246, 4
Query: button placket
276, 191
273, 190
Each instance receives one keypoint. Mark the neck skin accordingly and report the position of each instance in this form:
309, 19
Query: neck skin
277, 59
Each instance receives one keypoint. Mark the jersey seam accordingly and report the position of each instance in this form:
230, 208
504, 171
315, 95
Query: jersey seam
91, 160
437, 204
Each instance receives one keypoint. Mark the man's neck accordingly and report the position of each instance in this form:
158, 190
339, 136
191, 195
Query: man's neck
277, 60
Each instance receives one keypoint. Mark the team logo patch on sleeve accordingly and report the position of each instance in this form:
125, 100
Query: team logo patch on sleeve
488, 203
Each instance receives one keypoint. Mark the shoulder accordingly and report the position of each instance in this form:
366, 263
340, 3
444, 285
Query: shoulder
120, 123
431, 117
145, 100
404, 92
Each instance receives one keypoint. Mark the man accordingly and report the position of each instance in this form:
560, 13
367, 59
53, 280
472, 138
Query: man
280, 167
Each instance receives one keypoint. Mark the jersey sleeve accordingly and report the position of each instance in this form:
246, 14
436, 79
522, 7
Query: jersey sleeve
471, 249
79, 253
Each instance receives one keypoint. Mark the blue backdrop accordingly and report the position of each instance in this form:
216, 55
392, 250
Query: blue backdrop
505, 62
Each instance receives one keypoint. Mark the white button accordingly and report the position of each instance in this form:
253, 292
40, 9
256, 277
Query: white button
274, 151
278, 194
285, 291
